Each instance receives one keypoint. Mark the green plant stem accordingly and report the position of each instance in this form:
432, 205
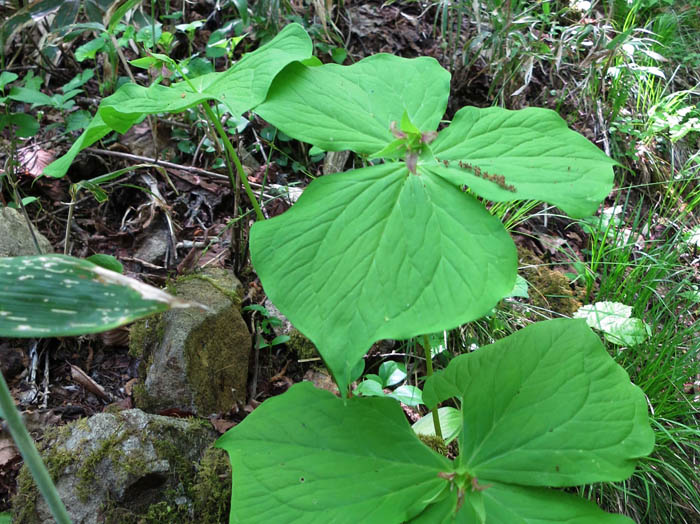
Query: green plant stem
232, 153
429, 371
71, 206
31, 456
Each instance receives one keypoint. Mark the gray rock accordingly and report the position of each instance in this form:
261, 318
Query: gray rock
15, 236
286, 327
154, 243
114, 467
196, 361
334, 162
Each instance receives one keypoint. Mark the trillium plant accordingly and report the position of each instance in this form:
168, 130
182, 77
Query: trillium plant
403, 248
398, 249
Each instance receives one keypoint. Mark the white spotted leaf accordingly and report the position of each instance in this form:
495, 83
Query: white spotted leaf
57, 295
616, 322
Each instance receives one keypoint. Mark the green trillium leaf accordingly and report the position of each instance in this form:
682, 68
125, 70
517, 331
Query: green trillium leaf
507, 504
352, 107
380, 253
308, 456
534, 151
510, 504
546, 406
239, 88
57, 295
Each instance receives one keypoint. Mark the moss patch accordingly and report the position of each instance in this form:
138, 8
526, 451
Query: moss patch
549, 289
301, 345
435, 443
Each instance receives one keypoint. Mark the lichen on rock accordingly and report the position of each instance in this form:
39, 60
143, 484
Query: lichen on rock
130, 467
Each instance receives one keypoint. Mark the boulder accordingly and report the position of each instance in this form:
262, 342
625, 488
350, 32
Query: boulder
193, 360
129, 467
16, 238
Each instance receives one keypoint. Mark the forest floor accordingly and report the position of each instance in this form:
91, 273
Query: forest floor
164, 223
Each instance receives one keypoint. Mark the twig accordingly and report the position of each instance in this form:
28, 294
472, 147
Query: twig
170, 165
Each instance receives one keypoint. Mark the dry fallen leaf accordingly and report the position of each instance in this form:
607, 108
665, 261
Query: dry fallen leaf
8, 450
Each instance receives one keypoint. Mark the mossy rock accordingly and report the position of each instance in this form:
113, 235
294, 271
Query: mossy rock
195, 360
131, 467
302, 346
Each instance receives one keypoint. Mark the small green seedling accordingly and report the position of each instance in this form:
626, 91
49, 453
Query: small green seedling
267, 325
390, 374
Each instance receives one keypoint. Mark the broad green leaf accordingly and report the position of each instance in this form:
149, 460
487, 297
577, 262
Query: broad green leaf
351, 107
308, 456
6, 77
379, 253
450, 423
57, 295
26, 125
30, 96
520, 288
532, 149
392, 372
546, 406
239, 88
5, 518
510, 504
409, 395
96, 130
369, 388
616, 322
90, 49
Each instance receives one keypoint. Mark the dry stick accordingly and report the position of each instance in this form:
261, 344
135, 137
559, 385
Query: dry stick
429, 372
71, 206
170, 165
